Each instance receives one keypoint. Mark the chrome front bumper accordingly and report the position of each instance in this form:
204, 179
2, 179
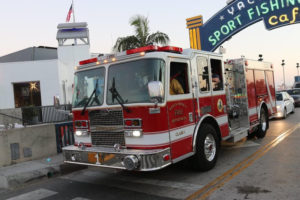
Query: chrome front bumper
147, 160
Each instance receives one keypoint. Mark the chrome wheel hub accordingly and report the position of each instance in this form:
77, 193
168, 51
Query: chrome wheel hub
263, 121
210, 147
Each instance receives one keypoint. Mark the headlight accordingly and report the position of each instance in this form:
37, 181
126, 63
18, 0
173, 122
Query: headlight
278, 107
133, 133
81, 133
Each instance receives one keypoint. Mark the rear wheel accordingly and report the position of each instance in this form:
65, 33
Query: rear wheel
263, 124
207, 148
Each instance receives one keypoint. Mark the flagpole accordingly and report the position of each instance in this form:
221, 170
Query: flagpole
73, 11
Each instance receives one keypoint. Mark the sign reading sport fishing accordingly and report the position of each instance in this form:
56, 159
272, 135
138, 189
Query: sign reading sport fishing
238, 15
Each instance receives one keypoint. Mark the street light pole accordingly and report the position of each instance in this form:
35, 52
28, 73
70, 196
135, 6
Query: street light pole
283, 74
298, 68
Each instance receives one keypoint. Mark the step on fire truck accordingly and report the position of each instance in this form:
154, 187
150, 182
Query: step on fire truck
150, 107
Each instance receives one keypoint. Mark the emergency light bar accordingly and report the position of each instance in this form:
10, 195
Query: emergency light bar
170, 49
154, 48
141, 50
88, 61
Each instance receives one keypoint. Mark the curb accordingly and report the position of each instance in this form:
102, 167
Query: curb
23, 173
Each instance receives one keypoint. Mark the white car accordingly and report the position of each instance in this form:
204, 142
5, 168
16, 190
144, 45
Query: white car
284, 104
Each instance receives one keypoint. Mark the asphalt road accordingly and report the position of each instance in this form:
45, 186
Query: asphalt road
266, 168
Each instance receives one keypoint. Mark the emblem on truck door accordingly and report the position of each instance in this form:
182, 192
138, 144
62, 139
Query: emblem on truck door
220, 105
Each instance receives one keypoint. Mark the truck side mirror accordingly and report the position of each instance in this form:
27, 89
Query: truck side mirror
56, 102
156, 91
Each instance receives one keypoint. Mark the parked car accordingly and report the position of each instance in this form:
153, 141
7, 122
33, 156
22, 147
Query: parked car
295, 93
284, 104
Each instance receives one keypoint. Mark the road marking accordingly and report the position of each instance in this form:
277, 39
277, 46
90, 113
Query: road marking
34, 195
156, 187
156, 182
204, 192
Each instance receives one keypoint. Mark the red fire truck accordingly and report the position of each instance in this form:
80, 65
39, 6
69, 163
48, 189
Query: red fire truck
150, 107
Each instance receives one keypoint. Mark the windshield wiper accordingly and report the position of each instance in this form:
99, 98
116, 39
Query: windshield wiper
117, 96
87, 103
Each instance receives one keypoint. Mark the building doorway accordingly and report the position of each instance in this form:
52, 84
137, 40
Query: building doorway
27, 94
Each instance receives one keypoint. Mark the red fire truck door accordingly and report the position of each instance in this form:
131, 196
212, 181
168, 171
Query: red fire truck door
180, 107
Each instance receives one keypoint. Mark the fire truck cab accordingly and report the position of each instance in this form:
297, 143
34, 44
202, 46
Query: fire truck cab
147, 108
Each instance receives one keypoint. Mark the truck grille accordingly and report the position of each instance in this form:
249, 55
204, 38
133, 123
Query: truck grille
108, 139
107, 127
106, 117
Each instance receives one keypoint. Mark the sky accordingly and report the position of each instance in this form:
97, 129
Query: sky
27, 23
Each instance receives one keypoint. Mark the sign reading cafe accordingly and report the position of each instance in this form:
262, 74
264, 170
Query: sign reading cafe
238, 15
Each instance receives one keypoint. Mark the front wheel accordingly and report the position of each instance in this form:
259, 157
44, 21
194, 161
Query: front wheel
263, 124
207, 148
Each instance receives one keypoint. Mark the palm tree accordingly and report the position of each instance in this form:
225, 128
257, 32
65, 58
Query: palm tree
142, 36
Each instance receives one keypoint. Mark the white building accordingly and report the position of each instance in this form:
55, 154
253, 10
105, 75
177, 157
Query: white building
35, 75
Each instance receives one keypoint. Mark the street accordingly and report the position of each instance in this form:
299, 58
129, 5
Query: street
265, 168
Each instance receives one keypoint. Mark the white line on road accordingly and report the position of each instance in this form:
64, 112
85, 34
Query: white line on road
34, 195
156, 182
170, 189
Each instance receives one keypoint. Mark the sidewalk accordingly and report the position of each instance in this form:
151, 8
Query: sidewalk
19, 174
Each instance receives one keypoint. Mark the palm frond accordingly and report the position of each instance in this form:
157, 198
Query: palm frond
142, 36
141, 26
125, 43
158, 38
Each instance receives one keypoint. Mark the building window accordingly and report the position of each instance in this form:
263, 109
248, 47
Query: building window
27, 94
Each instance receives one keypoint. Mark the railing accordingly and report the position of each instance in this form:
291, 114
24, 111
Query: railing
45, 114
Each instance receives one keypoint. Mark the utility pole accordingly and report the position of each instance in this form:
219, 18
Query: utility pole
297, 68
282, 64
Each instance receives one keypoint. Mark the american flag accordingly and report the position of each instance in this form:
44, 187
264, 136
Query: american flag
69, 13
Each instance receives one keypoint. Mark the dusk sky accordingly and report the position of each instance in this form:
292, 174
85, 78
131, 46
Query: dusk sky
34, 23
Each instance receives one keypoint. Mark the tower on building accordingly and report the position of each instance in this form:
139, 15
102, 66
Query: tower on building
73, 46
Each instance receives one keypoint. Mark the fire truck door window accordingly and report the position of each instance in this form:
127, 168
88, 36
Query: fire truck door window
217, 78
203, 76
178, 78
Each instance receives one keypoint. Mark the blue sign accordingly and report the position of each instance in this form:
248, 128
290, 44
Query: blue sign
242, 13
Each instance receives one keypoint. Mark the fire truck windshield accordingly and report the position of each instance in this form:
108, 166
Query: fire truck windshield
89, 85
131, 79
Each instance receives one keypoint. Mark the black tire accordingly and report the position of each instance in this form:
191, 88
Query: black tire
293, 110
204, 161
284, 114
263, 124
